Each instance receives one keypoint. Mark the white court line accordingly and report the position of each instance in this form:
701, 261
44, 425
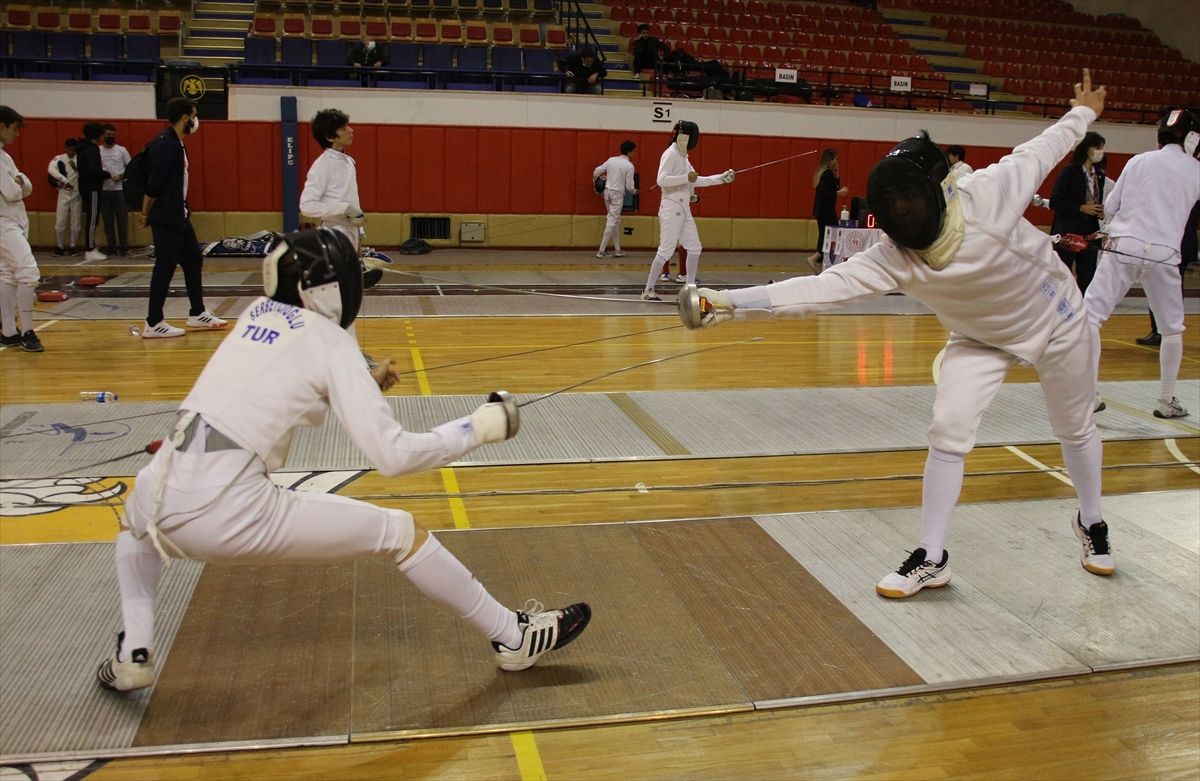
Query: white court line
1175, 451
40, 327
1049, 470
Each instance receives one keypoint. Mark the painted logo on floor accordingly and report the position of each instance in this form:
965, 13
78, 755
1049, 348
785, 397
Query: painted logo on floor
40, 496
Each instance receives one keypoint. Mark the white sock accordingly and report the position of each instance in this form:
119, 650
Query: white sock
939, 493
8, 309
1084, 461
439, 575
1170, 355
139, 571
26, 296
604, 241
693, 266
654, 270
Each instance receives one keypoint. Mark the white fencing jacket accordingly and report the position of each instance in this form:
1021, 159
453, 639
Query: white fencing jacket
13, 192
1154, 196
673, 170
330, 189
619, 174
72, 177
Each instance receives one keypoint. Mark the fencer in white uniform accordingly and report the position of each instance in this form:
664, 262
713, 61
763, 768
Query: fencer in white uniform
678, 181
19, 273
65, 170
962, 248
618, 180
1147, 212
207, 493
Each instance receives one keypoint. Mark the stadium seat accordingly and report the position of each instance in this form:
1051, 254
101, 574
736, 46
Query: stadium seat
259, 50
556, 36
296, 51
466, 7
264, 25
108, 46
17, 16
295, 26
503, 34
47, 18
67, 46
506, 59
349, 27
425, 31
529, 36
168, 22
143, 48
518, 8
138, 21
331, 52
376, 28
539, 60
404, 55
467, 59
321, 26
437, 57
450, 32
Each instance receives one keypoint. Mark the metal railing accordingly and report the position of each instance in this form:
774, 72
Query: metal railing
579, 32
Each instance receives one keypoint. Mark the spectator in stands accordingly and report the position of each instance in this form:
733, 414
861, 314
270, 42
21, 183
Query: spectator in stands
829, 189
19, 273
114, 158
1078, 203
64, 173
648, 51
958, 161
367, 53
91, 182
584, 72
165, 210
1187, 256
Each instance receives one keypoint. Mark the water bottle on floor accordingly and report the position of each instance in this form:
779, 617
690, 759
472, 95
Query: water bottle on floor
100, 396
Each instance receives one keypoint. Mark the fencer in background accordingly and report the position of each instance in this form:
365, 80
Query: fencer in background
207, 494
617, 173
1148, 210
64, 173
958, 160
678, 180
992, 278
19, 274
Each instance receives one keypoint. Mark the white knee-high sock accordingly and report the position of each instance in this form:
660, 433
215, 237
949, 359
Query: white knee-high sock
1094, 338
139, 571
608, 231
1170, 355
1084, 461
26, 296
939, 493
435, 571
8, 308
693, 266
654, 267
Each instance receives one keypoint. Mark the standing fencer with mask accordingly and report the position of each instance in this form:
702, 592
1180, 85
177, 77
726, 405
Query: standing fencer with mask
617, 173
678, 181
1147, 212
963, 248
207, 493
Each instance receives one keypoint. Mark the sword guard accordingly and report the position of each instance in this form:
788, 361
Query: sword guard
511, 410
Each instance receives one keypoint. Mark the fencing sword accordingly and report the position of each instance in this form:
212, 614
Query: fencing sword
477, 286
764, 165
1073, 242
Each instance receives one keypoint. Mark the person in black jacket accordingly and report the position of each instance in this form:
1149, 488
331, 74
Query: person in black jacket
829, 189
583, 71
91, 182
1078, 203
648, 51
367, 53
165, 209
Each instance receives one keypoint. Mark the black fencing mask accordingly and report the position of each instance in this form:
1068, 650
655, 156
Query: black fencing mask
686, 130
319, 270
905, 192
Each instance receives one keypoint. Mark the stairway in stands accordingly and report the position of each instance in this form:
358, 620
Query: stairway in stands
216, 32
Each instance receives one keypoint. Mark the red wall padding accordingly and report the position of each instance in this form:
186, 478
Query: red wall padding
235, 166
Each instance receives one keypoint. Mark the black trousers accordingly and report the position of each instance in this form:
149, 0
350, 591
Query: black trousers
1083, 262
175, 246
91, 216
116, 215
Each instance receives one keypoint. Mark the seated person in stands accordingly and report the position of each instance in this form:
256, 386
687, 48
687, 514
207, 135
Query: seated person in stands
648, 51
583, 71
367, 53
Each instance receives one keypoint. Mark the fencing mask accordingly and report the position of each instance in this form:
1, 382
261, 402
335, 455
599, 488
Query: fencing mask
907, 192
319, 270
1183, 128
686, 135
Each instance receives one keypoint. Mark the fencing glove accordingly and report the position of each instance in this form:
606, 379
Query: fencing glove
356, 216
491, 423
729, 176
721, 307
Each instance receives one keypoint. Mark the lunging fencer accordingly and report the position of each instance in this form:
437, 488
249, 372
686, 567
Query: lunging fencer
1147, 211
207, 493
961, 247
616, 174
678, 181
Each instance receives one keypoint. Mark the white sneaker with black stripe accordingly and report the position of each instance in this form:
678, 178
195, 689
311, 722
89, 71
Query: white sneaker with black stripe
1169, 409
137, 673
544, 631
916, 573
1097, 557
205, 319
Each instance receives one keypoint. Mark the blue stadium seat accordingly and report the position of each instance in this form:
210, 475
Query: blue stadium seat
454, 85
108, 47
29, 44
340, 83
403, 55
540, 60
53, 75
506, 58
390, 84
259, 51
536, 88
143, 48
518, 7
67, 46
437, 57
472, 59
331, 52
135, 77
3, 43
296, 51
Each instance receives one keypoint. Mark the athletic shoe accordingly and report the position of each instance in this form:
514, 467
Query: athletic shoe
619, 253
602, 254
915, 574
94, 254
650, 295
30, 342
1098, 404
58, 253
1096, 557
163, 330
371, 277
10, 341
543, 631
1169, 409
137, 673
814, 262
1152, 339
205, 319
73, 252
680, 278
665, 278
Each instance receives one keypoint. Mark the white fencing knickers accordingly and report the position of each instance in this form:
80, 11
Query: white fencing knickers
69, 213
614, 201
19, 277
675, 227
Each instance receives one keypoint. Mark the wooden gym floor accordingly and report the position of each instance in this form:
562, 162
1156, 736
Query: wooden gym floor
1142, 723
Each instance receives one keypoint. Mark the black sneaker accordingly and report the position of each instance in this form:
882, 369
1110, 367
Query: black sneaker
10, 341
58, 253
137, 673
72, 252
371, 277
30, 342
1152, 339
542, 631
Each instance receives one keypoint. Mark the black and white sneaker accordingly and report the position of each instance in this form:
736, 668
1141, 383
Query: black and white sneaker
544, 631
137, 673
30, 342
58, 253
650, 295
915, 574
10, 341
1097, 557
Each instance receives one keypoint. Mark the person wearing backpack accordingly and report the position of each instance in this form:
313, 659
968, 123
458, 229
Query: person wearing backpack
165, 210
63, 174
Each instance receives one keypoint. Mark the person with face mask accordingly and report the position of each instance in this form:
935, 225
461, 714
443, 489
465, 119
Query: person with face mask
114, 212
1078, 203
165, 210
64, 172
207, 494
964, 249
367, 53
91, 181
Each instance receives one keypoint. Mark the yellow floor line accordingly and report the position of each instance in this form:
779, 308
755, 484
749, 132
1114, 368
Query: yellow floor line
1039, 465
529, 761
1175, 451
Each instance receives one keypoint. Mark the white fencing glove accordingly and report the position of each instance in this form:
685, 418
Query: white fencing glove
722, 307
729, 176
356, 216
491, 423
1040, 201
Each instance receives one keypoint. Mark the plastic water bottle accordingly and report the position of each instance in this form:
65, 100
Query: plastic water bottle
844, 220
133, 331
102, 397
